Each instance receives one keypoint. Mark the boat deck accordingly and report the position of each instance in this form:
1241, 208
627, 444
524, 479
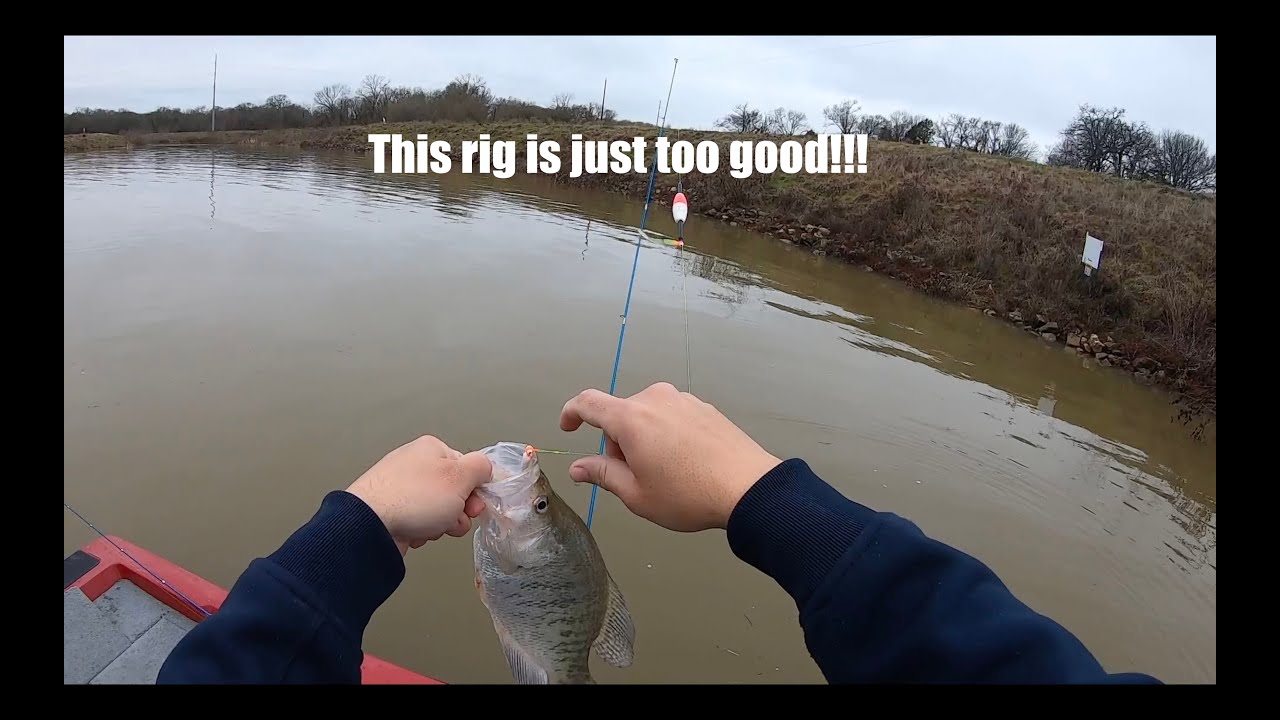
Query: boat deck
122, 637
124, 609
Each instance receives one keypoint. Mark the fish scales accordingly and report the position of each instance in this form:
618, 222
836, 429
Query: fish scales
543, 579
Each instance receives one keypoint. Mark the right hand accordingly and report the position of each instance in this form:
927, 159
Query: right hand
669, 457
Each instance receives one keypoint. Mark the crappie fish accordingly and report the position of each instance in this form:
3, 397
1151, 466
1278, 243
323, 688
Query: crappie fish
542, 578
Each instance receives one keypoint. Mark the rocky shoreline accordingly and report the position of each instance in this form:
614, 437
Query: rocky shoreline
1195, 410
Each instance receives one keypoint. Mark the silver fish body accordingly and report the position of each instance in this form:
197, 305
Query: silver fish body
542, 578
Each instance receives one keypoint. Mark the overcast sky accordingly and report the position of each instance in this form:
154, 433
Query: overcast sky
1038, 82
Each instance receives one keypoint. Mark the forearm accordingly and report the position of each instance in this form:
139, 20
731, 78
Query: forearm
298, 615
879, 601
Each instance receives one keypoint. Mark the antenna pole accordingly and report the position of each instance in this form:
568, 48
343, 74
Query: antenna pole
213, 112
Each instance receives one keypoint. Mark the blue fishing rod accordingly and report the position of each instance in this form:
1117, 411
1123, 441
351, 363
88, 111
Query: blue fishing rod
626, 310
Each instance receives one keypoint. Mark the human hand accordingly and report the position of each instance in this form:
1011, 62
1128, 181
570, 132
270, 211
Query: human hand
423, 489
669, 457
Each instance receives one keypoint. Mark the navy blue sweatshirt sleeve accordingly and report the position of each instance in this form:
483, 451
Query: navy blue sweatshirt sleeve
881, 602
299, 614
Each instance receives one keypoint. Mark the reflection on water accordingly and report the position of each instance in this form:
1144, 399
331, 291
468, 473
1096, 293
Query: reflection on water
245, 330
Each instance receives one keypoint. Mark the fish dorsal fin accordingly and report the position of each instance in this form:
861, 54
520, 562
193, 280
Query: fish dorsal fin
524, 669
616, 642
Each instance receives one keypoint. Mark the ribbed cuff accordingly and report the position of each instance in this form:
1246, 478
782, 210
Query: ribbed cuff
794, 527
347, 557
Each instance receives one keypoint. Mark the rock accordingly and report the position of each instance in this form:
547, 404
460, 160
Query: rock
1049, 327
989, 312
733, 224
1015, 316
791, 231
867, 268
1040, 320
1103, 361
1049, 336
1093, 339
724, 217
1101, 356
1142, 377
1160, 375
786, 240
1073, 340
1145, 363
1109, 345
1079, 350
824, 231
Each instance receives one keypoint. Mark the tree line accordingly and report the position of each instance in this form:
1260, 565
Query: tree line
375, 99
1097, 139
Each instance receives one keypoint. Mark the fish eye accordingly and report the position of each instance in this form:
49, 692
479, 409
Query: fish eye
540, 504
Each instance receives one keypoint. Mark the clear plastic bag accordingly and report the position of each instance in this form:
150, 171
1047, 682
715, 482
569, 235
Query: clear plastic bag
515, 468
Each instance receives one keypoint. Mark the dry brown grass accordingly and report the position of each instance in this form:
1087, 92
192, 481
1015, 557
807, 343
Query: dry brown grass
988, 231
92, 141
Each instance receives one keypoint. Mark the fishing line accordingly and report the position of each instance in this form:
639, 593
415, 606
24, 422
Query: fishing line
688, 363
176, 591
544, 451
626, 310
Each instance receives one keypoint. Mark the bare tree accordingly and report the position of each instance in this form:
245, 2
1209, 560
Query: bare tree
372, 98
796, 123
743, 119
984, 136
947, 130
958, 131
470, 84
782, 121
1014, 141
842, 115
1134, 155
1183, 161
897, 126
594, 112
872, 125
333, 103
465, 98
1091, 140
562, 101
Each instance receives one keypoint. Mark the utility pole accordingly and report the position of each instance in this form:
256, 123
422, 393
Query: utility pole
602, 96
213, 112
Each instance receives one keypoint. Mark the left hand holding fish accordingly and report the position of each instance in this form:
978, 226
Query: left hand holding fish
423, 490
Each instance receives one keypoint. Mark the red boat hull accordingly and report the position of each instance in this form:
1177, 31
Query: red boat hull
114, 566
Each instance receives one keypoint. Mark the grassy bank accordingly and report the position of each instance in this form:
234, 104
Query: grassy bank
92, 141
1003, 236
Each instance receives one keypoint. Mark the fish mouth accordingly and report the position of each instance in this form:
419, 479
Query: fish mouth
515, 470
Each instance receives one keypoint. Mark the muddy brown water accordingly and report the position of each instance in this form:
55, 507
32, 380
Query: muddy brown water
246, 330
